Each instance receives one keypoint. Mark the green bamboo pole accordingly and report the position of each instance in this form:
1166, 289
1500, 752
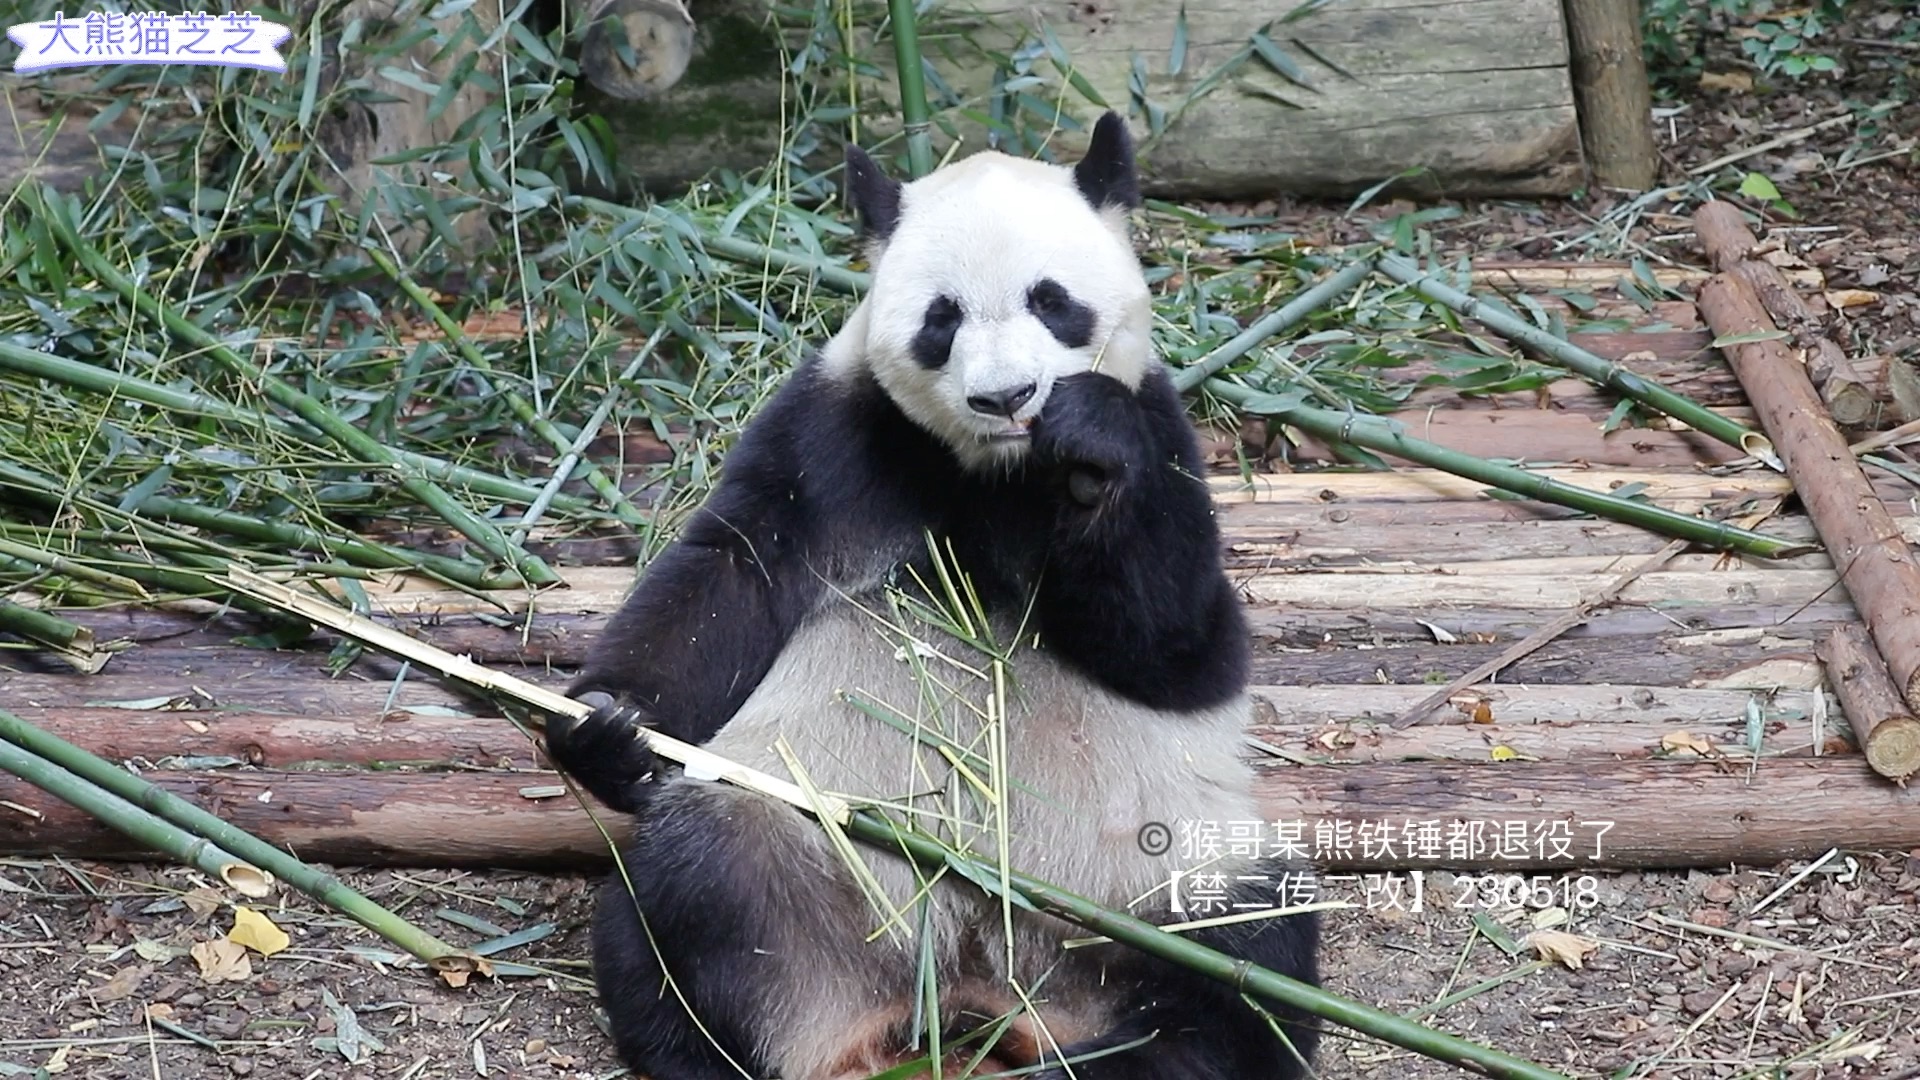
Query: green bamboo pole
1278, 322
609, 491
132, 821
354, 552
1373, 433
913, 86
303, 405
1565, 353
99, 380
49, 630
325, 888
65, 567
1174, 948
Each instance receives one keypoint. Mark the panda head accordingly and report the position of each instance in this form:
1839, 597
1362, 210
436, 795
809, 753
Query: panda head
994, 278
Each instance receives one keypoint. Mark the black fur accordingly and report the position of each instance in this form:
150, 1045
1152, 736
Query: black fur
873, 195
934, 341
1106, 176
1067, 319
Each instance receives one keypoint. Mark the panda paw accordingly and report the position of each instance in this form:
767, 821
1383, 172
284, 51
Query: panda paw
1091, 431
605, 751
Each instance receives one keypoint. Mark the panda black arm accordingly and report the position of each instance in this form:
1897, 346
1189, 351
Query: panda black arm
1134, 592
710, 613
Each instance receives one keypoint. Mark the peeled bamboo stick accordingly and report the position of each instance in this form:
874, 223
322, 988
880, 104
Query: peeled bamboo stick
1872, 556
1727, 240
135, 823
1882, 723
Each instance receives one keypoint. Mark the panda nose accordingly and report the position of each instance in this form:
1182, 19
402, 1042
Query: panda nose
1001, 402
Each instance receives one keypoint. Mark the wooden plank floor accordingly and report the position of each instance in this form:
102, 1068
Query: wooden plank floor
1366, 592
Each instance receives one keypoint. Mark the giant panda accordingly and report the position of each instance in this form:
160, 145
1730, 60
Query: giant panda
994, 400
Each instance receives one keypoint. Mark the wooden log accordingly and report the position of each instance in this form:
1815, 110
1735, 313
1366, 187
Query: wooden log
1881, 721
1876, 564
1724, 235
1665, 814
279, 741
1396, 83
1610, 87
656, 34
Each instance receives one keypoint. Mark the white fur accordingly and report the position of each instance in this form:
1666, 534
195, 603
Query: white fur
983, 230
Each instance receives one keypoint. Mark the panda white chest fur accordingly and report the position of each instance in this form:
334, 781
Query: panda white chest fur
993, 399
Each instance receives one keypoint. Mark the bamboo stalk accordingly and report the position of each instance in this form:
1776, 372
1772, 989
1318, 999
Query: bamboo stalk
1873, 559
609, 491
1571, 356
60, 564
1723, 233
19, 735
72, 642
913, 86
132, 821
868, 826
308, 408
1188, 378
354, 552
1882, 723
1373, 433
99, 380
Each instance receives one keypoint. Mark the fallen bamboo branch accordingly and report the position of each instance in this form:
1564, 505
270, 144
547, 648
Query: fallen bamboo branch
1540, 637
70, 642
1871, 555
362, 446
453, 964
143, 828
1277, 322
1724, 235
1882, 723
1617, 815
1378, 433
84, 376
884, 833
1564, 353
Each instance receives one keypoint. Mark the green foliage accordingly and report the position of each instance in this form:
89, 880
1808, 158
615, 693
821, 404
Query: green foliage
1777, 38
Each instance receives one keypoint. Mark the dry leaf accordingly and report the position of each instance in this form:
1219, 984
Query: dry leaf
221, 960
123, 983
257, 932
1503, 753
1738, 81
158, 952
1483, 713
1685, 740
1642, 356
202, 902
1569, 949
160, 1010
1846, 298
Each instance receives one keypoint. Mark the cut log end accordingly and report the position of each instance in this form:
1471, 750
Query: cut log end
637, 49
1893, 749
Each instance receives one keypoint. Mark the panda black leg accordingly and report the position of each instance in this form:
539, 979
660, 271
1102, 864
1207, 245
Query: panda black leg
1196, 1028
605, 752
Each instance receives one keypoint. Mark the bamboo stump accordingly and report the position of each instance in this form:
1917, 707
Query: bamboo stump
1882, 723
636, 49
1724, 235
1876, 567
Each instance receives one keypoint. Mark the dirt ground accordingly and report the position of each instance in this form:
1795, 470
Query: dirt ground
97, 977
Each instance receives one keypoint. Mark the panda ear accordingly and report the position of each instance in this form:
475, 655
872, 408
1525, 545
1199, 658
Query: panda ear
1106, 175
873, 195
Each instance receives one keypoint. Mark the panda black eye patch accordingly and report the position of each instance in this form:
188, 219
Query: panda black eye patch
1068, 320
934, 340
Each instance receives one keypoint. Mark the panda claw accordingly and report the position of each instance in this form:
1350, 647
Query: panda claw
605, 750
